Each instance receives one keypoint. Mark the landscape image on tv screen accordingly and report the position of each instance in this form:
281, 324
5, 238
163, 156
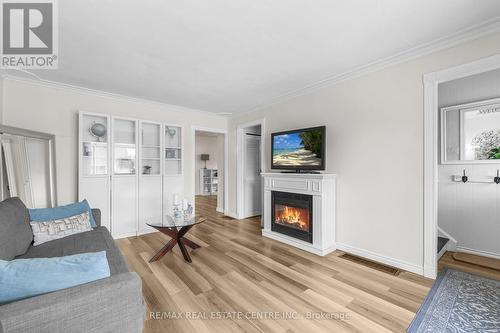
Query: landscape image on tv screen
298, 149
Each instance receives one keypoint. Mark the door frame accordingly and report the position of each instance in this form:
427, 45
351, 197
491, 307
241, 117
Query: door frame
431, 150
240, 161
226, 163
51, 138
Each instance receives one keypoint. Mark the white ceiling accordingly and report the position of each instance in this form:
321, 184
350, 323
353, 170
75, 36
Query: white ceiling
235, 55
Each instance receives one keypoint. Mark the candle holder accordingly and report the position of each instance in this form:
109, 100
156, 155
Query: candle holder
177, 212
188, 212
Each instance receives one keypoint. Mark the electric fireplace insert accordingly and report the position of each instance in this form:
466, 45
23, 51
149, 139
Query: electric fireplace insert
292, 215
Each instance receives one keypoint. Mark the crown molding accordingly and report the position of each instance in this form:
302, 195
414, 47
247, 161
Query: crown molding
101, 93
460, 37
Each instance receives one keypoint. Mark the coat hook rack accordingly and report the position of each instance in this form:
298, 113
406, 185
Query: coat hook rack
497, 178
465, 178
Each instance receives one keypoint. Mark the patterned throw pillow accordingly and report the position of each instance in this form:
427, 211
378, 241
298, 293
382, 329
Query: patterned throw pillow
45, 231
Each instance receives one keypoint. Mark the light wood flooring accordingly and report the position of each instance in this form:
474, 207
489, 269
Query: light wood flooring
447, 260
238, 273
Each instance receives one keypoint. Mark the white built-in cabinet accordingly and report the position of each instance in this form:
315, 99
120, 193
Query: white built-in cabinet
150, 173
132, 172
124, 210
209, 181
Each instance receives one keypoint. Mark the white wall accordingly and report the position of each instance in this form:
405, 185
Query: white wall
3, 189
54, 109
1, 98
375, 145
470, 212
205, 144
470, 89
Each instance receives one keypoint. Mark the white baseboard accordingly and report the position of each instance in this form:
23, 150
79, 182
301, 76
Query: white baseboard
430, 271
452, 242
231, 214
147, 231
220, 210
381, 258
125, 235
478, 252
443, 251
298, 243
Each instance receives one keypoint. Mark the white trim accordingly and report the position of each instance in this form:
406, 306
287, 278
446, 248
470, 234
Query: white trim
240, 161
231, 214
125, 235
220, 210
298, 243
145, 232
443, 251
462, 36
478, 252
381, 258
452, 242
226, 161
431, 82
101, 93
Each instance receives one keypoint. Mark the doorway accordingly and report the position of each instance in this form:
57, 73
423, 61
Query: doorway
27, 167
250, 165
210, 163
433, 160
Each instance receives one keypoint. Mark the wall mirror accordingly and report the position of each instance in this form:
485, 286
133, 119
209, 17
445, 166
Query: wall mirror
28, 167
470, 133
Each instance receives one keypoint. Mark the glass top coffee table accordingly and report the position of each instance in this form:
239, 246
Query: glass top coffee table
176, 229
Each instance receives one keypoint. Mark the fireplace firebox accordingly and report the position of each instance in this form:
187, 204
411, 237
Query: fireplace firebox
292, 215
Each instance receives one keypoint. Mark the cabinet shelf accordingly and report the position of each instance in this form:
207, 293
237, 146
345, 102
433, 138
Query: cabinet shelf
125, 145
97, 143
208, 181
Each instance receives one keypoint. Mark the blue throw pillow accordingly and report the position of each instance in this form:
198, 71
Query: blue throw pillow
61, 212
22, 278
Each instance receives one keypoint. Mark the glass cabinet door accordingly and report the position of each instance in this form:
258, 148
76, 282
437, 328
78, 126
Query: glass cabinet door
150, 149
173, 150
124, 146
94, 141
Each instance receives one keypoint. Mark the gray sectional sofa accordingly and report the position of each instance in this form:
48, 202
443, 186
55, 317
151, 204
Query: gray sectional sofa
114, 304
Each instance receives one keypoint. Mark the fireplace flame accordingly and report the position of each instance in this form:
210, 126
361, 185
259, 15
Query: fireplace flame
295, 217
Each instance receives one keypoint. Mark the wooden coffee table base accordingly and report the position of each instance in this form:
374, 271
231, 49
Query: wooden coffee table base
177, 238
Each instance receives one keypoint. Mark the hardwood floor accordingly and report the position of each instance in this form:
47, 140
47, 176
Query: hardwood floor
237, 273
447, 260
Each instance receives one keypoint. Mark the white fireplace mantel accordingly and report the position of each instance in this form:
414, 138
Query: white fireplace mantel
322, 188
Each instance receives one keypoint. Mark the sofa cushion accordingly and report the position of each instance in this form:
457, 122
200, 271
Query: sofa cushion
60, 212
59, 228
98, 239
15, 231
23, 278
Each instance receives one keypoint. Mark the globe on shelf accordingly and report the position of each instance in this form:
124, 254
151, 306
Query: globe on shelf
98, 130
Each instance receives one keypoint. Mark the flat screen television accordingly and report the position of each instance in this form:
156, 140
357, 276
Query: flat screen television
299, 150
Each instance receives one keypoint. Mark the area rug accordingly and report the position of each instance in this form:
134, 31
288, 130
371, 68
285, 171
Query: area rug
459, 302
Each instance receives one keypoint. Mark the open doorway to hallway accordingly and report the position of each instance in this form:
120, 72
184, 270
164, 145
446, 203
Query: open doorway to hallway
461, 195
209, 168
